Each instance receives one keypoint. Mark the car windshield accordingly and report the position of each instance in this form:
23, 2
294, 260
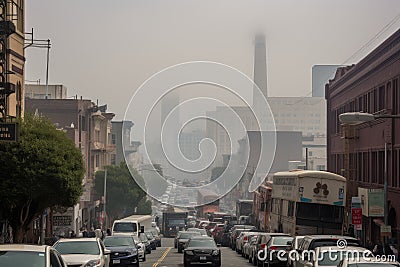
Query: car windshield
78, 247
331, 242
22, 258
124, 227
119, 241
334, 257
143, 238
188, 235
201, 231
202, 243
281, 241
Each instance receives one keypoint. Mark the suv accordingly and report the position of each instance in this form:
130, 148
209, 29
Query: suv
310, 242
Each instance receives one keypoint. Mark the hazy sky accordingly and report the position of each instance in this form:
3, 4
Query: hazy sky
106, 49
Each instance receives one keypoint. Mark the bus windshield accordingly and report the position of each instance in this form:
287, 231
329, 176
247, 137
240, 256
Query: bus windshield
125, 227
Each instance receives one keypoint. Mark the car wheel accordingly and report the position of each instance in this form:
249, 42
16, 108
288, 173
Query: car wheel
137, 262
186, 264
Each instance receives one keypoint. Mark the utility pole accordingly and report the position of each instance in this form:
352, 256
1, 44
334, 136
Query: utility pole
105, 194
40, 43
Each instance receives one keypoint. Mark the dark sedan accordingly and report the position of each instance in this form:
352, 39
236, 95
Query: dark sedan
184, 238
123, 251
203, 250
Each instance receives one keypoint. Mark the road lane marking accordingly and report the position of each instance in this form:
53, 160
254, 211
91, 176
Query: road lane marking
162, 257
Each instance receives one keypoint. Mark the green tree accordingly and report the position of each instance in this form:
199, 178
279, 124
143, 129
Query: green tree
124, 195
43, 169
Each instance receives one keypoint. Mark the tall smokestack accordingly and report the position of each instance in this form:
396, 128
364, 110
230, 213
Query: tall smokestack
260, 67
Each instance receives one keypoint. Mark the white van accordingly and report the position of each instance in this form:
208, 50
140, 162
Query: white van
132, 225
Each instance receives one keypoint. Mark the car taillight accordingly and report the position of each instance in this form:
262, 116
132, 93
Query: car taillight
272, 248
245, 239
262, 246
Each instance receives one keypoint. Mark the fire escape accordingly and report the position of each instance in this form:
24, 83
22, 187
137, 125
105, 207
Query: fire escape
7, 28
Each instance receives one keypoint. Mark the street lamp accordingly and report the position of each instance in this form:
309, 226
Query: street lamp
356, 118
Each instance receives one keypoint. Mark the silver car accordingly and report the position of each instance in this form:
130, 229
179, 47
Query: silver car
30, 255
83, 251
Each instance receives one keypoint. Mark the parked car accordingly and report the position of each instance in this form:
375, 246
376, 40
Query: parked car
240, 240
310, 242
152, 240
251, 238
367, 263
332, 255
260, 244
293, 246
156, 236
123, 250
184, 238
83, 251
30, 255
202, 249
277, 245
143, 238
141, 248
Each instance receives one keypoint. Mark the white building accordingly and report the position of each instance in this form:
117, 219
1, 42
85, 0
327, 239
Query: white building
38, 91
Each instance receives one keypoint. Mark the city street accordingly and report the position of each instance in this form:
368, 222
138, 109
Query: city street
169, 257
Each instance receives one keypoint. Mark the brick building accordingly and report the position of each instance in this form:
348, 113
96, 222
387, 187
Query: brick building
358, 151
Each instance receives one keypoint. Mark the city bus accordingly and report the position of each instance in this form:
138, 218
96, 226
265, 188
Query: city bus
307, 202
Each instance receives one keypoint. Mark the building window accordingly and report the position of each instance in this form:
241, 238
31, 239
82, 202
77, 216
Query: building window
113, 159
97, 161
381, 102
96, 135
113, 139
290, 212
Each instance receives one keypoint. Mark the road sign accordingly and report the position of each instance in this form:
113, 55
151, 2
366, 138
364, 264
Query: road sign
9, 132
386, 230
356, 216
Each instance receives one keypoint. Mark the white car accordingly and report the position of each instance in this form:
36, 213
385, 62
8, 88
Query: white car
141, 248
88, 252
368, 263
330, 256
30, 255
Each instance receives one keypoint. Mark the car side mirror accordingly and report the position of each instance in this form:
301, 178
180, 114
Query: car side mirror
142, 229
107, 252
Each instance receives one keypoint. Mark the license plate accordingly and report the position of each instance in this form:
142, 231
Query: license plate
203, 258
116, 261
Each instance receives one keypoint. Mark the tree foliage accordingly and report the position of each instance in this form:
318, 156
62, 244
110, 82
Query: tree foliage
43, 169
123, 194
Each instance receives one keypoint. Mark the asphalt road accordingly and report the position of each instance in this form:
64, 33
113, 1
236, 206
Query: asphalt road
168, 256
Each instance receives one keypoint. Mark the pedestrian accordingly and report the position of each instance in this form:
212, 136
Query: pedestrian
92, 233
394, 250
84, 232
378, 248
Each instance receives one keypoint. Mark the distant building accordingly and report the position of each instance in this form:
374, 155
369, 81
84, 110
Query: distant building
321, 74
299, 114
121, 138
38, 91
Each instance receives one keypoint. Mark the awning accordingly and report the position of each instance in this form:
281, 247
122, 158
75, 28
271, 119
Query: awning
378, 222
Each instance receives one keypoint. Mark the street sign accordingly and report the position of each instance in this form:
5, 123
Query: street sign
386, 230
9, 132
356, 216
